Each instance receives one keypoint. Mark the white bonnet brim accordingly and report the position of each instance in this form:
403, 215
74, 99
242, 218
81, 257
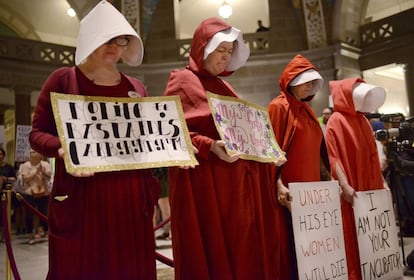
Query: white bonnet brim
101, 24
368, 98
240, 52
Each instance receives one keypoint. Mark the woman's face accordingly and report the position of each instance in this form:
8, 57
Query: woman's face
35, 155
111, 51
302, 91
217, 61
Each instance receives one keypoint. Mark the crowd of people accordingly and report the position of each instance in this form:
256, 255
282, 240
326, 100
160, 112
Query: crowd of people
230, 217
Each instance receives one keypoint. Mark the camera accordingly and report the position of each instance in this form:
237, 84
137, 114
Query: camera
398, 140
402, 129
403, 132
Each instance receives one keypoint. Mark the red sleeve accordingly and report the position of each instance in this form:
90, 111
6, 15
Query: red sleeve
195, 106
278, 114
43, 137
333, 144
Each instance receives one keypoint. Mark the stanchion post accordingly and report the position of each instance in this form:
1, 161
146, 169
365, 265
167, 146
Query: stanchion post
7, 196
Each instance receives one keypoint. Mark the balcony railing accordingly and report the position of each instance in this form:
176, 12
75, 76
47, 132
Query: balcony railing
387, 28
257, 42
35, 51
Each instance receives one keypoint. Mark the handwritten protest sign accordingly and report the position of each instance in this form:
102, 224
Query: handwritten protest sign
317, 227
379, 251
245, 127
22, 151
107, 133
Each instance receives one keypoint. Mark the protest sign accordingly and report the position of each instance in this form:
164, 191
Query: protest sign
22, 151
245, 127
317, 228
108, 133
379, 252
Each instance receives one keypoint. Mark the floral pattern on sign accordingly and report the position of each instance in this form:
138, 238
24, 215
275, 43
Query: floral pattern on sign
245, 127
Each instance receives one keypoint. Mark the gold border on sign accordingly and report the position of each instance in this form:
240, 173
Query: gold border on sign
55, 96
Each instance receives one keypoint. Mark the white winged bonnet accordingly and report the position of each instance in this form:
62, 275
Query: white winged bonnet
100, 25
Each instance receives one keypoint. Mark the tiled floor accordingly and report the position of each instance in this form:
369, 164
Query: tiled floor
32, 260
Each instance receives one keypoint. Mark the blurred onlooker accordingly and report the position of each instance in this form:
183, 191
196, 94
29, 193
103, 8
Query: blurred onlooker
19, 211
326, 113
163, 203
35, 174
7, 178
377, 125
261, 27
7, 171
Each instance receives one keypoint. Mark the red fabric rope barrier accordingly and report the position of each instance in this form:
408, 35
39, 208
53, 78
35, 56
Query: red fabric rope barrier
164, 259
34, 210
158, 256
163, 223
6, 233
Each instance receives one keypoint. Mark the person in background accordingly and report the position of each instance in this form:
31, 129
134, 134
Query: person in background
261, 27
379, 125
222, 210
353, 153
35, 175
7, 172
326, 113
163, 203
100, 225
19, 210
7, 178
298, 132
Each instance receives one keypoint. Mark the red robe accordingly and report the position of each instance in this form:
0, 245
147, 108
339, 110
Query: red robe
103, 229
290, 116
351, 145
222, 214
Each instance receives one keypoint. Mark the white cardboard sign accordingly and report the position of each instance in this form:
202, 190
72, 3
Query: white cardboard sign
317, 227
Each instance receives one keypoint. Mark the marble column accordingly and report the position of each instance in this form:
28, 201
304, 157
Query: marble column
22, 107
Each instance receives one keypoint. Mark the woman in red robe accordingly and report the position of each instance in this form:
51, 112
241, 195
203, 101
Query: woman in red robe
298, 132
223, 210
100, 225
353, 153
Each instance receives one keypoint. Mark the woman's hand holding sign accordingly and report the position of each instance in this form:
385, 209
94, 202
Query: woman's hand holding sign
61, 153
218, 148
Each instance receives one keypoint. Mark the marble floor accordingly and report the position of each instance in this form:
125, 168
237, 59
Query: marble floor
32, 260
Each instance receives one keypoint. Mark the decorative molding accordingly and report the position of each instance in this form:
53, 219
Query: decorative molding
315, 23
130, 9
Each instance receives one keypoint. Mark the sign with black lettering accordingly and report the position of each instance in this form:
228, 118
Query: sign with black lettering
22, 151
245, 127
379, 252
108, 133
317, 227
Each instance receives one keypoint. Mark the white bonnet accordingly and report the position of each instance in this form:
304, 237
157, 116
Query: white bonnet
240, 52
306, 76
368, 98
101, 24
